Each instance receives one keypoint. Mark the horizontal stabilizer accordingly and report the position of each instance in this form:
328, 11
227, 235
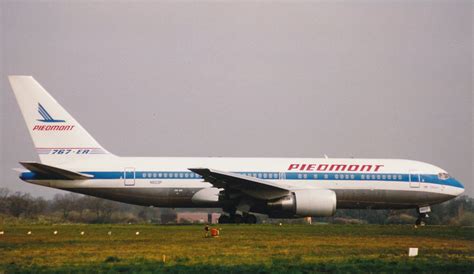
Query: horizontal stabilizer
55, 172
20, 170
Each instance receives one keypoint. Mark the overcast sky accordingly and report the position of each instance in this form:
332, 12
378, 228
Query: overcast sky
374, 79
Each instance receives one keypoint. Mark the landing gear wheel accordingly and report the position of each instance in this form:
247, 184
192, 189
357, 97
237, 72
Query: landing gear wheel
237, 219
420, 220
224, 219
250, 219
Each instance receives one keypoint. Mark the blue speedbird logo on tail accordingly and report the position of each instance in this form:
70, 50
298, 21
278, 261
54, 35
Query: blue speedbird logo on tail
46, 116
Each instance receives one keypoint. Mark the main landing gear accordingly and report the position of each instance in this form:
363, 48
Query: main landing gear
422, 215
235, 218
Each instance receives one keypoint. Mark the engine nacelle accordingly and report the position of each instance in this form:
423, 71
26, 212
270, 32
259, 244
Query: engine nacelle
206, 197
305, 203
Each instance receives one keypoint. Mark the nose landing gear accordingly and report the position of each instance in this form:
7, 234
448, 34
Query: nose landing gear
422, 215
420, 220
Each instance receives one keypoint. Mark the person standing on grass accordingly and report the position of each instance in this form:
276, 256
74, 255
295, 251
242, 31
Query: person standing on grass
206, 228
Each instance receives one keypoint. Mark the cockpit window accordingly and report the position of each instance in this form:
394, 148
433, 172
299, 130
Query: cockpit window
443, 175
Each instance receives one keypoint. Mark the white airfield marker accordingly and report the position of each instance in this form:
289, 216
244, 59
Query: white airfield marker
413, 252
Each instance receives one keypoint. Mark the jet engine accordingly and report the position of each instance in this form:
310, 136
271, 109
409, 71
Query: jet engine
304, 203
206, 197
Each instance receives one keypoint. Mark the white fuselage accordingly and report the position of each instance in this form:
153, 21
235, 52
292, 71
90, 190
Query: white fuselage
168, 182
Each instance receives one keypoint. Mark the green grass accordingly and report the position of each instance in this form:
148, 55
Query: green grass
241, 248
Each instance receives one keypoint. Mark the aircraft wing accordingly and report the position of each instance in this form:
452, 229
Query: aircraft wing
253, 187
55, 172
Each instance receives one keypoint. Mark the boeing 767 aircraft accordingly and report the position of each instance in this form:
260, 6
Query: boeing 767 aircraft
71, 159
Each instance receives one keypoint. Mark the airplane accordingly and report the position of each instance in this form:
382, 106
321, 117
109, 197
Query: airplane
71, 159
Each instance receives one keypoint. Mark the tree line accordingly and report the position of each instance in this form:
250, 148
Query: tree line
70, 207
16, 207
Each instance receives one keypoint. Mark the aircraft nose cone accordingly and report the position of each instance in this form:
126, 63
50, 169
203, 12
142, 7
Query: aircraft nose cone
459, 189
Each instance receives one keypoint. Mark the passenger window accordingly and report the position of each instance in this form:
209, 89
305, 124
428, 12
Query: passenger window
325, 176
299, 176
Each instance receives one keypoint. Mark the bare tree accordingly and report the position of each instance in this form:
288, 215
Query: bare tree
4, 192
101, 207
36, 207
65, 203
18, 203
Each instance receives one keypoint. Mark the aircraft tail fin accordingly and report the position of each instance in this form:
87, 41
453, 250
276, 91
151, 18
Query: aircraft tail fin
57, 136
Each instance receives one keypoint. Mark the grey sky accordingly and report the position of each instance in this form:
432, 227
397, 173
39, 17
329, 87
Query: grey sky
363, 79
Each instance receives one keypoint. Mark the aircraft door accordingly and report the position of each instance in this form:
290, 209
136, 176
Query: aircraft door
282, 175
414, 179
129, 176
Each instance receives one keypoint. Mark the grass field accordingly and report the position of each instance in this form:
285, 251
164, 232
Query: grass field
240, 248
